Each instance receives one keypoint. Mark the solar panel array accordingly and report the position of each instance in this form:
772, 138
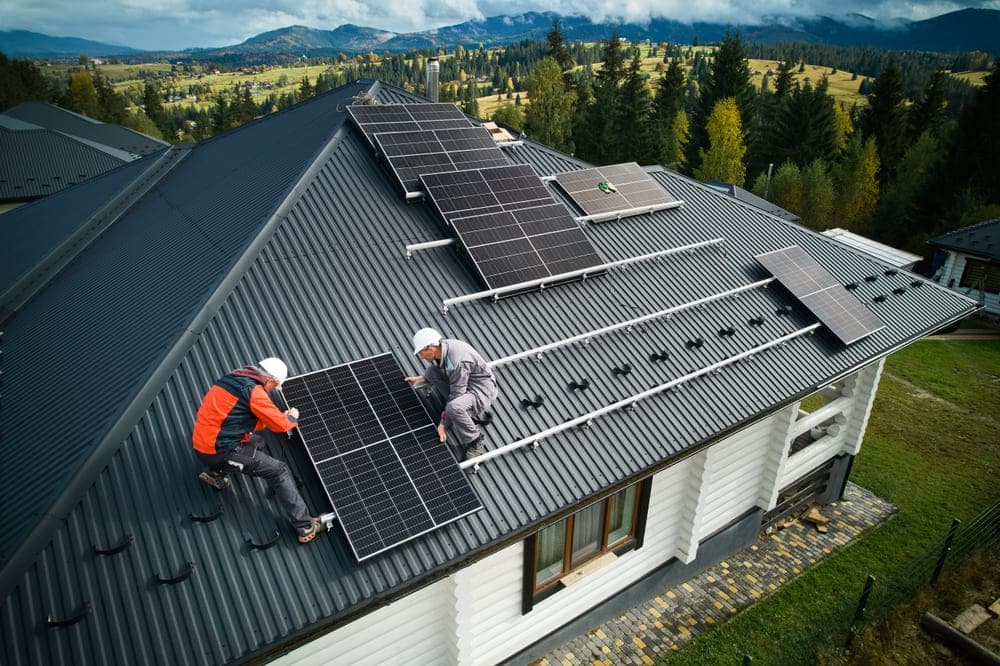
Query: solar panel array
627, 190
511, 226
411, 154
821, 293
377, 454
376, 118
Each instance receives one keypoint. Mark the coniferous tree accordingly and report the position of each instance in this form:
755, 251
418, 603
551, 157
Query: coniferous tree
152, 104
557, 47
668, 103
112, 107
598, 138
928, 112
728, 78
549, 114
723, 161
21, 81
804, 128
898, 218
636, 139
885, 118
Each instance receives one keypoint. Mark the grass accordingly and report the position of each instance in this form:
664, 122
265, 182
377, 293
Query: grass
930, 449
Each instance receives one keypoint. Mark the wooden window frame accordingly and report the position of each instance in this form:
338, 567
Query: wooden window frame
533, 593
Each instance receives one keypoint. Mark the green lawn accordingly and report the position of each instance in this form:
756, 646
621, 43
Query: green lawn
931, 449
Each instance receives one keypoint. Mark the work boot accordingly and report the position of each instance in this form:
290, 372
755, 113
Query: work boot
475, 449
307, 534
218, 480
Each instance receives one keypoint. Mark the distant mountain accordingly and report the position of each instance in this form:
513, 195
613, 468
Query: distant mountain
22, 43
961, 31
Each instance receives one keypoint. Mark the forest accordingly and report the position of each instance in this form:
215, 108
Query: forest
921, 157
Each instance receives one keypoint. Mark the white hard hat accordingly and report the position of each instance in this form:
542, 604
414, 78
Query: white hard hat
276, 368
424, 338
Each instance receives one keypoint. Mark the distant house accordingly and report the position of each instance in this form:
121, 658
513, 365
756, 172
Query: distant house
968, 261
44, 149
644, 428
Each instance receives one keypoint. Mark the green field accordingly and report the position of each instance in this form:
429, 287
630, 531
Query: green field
931, 449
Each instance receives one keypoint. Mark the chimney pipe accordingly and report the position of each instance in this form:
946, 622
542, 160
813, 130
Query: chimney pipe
433, 72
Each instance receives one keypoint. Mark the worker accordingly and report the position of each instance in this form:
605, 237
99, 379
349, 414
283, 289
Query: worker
227, 437
461, 375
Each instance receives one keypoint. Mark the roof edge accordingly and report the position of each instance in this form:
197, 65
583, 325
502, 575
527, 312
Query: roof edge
158, 376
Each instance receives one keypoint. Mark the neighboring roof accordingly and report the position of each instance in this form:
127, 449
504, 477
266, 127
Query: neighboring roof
287, 237
38, 162
980, 240
886, 253
58, 119
746, 196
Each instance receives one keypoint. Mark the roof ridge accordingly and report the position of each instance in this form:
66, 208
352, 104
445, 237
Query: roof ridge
19, 293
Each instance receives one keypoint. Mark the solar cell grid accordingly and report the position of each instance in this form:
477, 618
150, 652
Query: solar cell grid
378, 118
837, 309
377, 454
632, 191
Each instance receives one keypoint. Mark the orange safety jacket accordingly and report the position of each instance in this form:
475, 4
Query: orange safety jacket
235, 405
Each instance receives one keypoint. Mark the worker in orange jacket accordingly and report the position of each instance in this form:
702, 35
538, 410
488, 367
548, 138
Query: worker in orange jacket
226, 437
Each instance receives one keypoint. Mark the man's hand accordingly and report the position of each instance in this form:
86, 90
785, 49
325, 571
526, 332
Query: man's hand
293, 412
442, 435
416, 381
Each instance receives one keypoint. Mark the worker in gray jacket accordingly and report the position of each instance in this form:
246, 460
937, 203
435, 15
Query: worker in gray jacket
460, 374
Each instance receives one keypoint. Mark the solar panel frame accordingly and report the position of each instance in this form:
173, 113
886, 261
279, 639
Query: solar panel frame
510, 225
636, 192
823, 295
380, 118
411, 154
377, 454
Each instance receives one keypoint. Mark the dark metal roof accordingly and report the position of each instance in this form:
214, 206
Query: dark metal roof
287, 237
979, 240
37, 163
749, 197
58, 119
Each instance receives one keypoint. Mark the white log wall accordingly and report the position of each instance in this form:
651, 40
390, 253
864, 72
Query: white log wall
474, 616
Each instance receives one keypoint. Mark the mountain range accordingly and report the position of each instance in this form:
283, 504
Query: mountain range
960, 31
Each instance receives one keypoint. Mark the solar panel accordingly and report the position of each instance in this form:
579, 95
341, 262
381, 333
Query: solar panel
377, 118
377, 454
511, 226
411, 154
627, 190
824, 296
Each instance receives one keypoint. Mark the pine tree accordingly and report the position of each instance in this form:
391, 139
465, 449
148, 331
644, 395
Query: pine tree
636, 139
557, 47
152, 104
928, 112
112, 107
729, 78
885, 118
898, 219
598, 140
669, 102
723, 161
804, 127
549, 116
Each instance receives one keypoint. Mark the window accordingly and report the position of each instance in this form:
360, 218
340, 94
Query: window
613, 524
980, 274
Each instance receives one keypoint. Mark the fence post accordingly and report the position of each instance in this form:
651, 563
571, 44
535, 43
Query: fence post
945, 550
863, 602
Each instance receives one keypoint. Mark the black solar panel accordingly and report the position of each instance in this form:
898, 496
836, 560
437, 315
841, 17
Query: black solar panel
626, 190
511, 226
411, 154
824, 296
377, 118
377, 453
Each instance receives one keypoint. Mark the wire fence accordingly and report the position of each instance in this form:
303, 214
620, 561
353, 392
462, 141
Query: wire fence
875, 597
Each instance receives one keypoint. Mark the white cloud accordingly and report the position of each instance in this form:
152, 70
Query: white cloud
170, 24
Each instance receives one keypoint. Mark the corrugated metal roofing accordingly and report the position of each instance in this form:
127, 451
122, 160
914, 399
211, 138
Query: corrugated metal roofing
980, 240
37, 163
328, 282
55, 118
886, 253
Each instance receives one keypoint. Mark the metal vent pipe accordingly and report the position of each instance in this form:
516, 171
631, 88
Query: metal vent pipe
433, 73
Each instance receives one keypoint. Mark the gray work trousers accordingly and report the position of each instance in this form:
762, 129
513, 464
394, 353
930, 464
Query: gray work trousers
462, 410
248, 459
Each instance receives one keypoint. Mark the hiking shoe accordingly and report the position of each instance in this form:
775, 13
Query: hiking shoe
307, 534
218, 480
475, 449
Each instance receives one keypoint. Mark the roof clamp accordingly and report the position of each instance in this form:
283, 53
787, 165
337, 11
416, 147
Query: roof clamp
528, 403
535, 444
631, 406
581, 385
659, 356
622, 370
538, 357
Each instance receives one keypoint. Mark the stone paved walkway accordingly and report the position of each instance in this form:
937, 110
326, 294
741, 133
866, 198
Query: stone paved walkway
648, 632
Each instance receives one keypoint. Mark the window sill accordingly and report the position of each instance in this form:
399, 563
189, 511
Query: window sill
590, 567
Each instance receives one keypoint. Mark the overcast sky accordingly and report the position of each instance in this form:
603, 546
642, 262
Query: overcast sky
180, 24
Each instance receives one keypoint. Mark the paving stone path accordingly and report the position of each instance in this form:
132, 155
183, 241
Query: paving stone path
648, 632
